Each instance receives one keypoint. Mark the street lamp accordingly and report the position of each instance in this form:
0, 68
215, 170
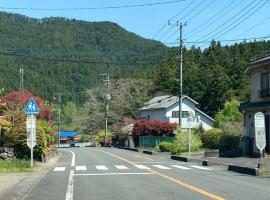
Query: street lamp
59, 114
191, 118
179, 103
107, 97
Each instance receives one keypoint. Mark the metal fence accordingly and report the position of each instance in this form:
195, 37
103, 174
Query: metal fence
151, 141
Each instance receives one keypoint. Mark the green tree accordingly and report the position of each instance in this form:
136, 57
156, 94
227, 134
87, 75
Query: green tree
230, 113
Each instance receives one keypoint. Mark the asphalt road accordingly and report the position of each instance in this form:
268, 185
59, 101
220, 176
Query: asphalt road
109, 173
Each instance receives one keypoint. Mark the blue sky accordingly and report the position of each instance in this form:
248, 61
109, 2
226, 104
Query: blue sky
206, 19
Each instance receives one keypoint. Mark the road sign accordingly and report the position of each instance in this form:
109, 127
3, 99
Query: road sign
31, 131
30, 122
31, 138
31, 107
260, 137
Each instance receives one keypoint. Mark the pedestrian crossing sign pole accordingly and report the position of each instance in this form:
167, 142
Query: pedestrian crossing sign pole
31, 109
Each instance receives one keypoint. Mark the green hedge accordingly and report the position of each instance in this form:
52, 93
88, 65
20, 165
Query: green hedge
211, 138
230, 142
165, 146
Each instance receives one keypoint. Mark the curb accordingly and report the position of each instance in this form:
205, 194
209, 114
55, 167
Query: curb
148, 152
126, 148
231, 167
243, 170
180, 158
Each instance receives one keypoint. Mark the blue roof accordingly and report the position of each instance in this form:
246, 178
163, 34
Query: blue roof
68, 133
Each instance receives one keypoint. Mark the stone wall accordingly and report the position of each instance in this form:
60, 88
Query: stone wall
7, 153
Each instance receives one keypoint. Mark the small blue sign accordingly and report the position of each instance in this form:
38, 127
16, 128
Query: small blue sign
31, 107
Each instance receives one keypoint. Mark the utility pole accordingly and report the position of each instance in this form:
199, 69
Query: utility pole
107, 97
59, 115
21, 78
180, 72
180, 89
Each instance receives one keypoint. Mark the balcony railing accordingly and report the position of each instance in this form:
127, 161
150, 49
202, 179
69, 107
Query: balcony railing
264, 92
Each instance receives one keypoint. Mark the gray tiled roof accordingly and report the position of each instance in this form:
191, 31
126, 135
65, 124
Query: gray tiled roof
267, 57
163, 102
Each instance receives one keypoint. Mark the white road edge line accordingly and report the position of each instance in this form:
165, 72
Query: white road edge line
69, 194
73, 157
110, 174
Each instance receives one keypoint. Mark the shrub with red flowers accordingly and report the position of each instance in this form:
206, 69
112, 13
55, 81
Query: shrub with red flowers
22, 97
156, 128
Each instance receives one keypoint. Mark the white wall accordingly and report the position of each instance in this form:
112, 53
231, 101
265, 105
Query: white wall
187, 105
159, 114
205, 121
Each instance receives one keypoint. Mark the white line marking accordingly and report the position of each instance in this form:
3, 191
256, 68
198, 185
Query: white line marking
81, 168
59, 169
73, 157
121, 167
101, 167
161, 167
199, 167
69, 194
141, 167
180, 167
110, 174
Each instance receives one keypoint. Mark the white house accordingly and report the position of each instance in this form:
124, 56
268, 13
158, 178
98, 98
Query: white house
166, 108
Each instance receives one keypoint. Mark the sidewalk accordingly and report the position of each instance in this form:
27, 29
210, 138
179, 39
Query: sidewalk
14, 184
245, 165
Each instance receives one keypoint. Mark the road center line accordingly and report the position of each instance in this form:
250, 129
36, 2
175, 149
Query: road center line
69, 194
146, 158
73, 157
186, 185
110, 174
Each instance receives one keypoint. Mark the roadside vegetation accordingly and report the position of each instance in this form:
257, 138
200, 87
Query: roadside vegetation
15, 166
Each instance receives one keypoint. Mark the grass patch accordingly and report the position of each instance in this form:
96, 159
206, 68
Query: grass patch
15, 166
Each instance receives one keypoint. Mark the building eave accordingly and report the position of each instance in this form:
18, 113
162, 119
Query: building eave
196, 109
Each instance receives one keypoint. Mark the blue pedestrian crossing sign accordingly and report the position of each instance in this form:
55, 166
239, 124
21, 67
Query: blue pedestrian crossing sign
31, 107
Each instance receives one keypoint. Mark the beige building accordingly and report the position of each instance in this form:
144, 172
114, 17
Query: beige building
259, 73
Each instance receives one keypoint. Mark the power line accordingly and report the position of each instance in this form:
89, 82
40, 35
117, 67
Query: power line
187, 14
195, 15
254, 26
212, 19
200, 11
231, 28
180, 12
229, 20
94, 8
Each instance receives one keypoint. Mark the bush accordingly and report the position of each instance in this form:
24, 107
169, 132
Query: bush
211, 138
156, 128
101, 135
230, 142
165, 146
182, 141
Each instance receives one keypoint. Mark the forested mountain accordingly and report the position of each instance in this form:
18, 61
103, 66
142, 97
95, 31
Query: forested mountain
211, 76
67, 56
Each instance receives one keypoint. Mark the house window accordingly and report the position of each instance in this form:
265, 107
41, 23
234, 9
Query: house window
184, 114
175, 114
148, 117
